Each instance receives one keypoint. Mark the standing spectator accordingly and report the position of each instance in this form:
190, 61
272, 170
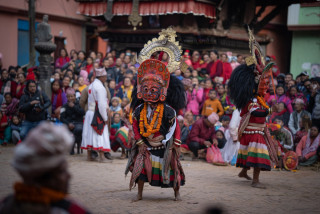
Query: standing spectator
216, 68
34, 105
222, 95
314, 104
296, 116
308, 89
15, 126
6, 84
281, 97
21, 85
89, 65
10, 106
227, 69
119, 71
115, 91
72, 115
80, 62
212, 105
208, 86
307, 147
5, 131
188, 116
288, 77
127, 88
194, 97
62, 59
202, 134
111, 73
58, 98
196, 61
294, 94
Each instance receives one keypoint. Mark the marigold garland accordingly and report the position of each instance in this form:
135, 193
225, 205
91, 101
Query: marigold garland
130, 116
262, 102
144, 121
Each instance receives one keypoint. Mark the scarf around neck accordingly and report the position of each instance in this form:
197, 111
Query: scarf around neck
311, 148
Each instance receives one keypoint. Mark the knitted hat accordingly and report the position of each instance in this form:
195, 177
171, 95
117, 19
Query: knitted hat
70, 91
213, 118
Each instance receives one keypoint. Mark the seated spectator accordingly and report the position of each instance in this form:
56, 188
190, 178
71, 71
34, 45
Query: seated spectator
184, 131
21, 85
285, 136
6, 84
188, 73
295, 117
194, 97
220, 138
62, 59
305, 126
34, 105
202, 134
15, 126
307, 147
82, 84
115, 107
75, 86
58, 98
124, 103
281, 97
189, 120
115, 91
41, 163
212, 105
202, 74
10, 106
222, 95
5, 131
281, 110
65, 83
72, 115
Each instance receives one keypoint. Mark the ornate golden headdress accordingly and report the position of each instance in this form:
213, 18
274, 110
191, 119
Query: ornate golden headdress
166, 42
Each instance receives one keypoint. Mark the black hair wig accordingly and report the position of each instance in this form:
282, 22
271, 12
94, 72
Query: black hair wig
176, 97
242, 86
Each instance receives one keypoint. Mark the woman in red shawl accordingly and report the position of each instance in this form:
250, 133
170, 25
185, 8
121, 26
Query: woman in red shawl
21, 85
89, 66
58, 98
62, 59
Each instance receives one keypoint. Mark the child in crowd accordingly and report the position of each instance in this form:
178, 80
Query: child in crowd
225, 121
187, 73
125, 102
202, 74
220, 138
115, 107
82, 84
177, 73
5, 132
15, 129
75, 86
212, 105
283, 135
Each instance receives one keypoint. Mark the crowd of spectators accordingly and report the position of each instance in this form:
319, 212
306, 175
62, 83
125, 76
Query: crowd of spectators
296, 101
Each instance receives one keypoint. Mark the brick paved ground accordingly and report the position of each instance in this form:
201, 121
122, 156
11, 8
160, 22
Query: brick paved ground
103, 188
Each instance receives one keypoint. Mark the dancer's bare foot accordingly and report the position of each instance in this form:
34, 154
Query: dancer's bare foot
137, 198
177, 196
258, 185
244, 175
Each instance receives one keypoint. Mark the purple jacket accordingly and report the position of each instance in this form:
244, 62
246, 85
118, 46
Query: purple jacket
194, 100
284, 99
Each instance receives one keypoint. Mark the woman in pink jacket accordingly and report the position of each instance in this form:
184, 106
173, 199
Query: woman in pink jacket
194, 97
281, 97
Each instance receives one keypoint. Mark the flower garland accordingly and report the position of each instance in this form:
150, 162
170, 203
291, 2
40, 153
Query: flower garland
144, 121
262, 102
130, 116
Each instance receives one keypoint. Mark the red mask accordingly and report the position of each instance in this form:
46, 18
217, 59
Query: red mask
151, 91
